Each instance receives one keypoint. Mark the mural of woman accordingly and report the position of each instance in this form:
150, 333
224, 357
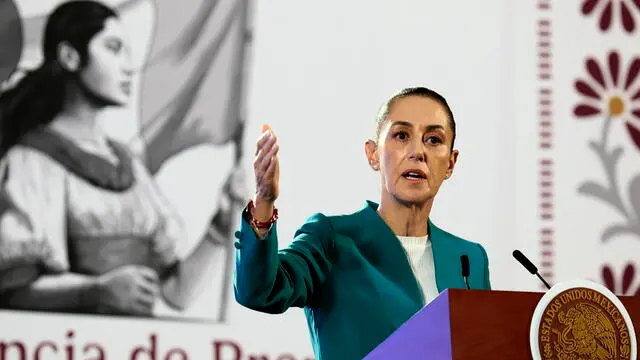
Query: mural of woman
84, 227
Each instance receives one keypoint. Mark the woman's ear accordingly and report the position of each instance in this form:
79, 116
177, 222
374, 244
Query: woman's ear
453, 159
371, 151
68, 57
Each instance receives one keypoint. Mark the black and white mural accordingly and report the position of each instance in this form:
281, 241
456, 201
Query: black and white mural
121, 126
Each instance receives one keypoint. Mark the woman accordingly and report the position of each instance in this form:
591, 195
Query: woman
360, 276
83, 228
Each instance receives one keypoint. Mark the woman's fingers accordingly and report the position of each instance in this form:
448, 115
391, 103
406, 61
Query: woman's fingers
268, 156
266, 148
271, 169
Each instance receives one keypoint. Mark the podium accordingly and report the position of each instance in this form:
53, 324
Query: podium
473, 324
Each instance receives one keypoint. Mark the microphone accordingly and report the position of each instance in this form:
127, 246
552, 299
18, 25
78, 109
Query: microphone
464, 262
529, 266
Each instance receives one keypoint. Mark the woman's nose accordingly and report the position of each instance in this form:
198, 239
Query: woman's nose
417, 152
417, 156
127, 66
127, 71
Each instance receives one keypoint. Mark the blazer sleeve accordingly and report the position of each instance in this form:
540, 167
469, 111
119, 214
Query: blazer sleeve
271, 280
487, 275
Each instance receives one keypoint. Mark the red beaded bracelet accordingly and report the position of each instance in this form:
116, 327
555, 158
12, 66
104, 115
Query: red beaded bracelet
261, 224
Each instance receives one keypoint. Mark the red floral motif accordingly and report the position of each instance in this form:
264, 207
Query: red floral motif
622, 285
607, 8
611, 94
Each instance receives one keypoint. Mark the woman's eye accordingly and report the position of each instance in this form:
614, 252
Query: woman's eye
402, 135
434, 140
114, 46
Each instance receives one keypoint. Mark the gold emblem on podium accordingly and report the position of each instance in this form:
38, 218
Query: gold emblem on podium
581, 321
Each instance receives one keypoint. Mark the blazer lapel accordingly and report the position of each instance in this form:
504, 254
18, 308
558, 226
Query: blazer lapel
445, 260
439, 254
385, 251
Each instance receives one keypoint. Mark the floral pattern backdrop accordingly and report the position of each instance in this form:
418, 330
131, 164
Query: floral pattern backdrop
604, 11
608, 86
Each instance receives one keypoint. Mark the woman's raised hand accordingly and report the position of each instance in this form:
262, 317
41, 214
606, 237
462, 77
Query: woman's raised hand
267, 173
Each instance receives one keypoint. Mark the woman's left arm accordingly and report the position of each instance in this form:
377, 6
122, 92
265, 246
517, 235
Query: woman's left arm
184, 279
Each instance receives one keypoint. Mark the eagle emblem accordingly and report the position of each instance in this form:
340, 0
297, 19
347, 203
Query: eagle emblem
581, 320
588, 334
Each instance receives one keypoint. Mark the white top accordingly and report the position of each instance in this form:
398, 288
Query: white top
420, 256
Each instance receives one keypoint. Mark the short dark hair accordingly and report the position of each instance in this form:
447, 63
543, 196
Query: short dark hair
414, 91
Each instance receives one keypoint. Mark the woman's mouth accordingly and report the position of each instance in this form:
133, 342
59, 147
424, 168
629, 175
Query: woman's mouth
414, 175
126, 87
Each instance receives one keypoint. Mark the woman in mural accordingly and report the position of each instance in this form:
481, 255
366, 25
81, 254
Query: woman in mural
84, 228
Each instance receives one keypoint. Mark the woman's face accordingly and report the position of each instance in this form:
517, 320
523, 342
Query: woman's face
414, 153
108, 70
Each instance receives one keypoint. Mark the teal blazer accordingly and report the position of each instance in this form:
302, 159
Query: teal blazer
351, 275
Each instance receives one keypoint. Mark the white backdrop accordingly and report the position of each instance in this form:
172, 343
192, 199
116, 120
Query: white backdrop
319, 71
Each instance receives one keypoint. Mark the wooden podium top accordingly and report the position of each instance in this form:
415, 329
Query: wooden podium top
473, 324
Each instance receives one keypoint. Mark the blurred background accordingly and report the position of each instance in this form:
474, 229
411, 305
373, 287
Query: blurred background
545, 94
